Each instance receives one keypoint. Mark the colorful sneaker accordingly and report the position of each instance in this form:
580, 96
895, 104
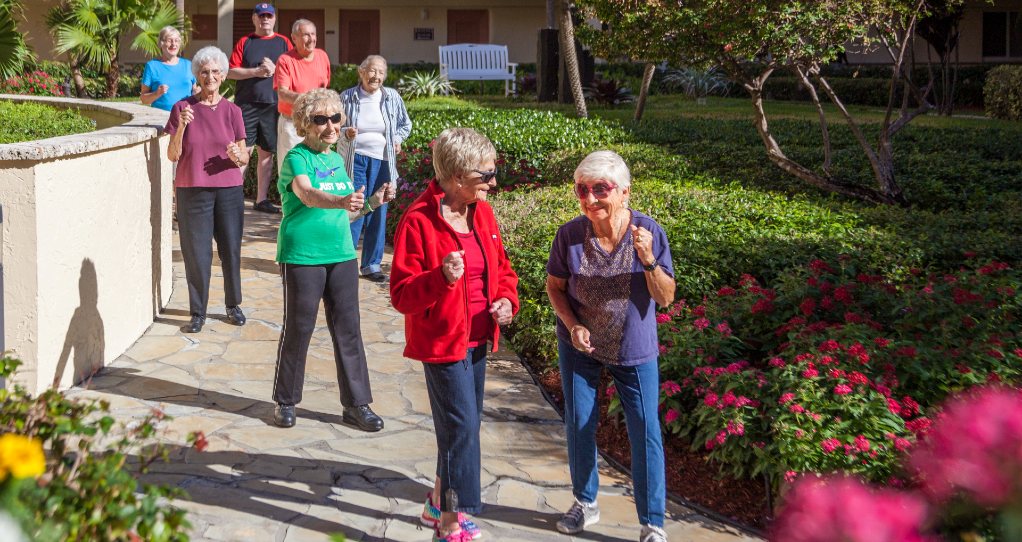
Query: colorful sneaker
580, 516
460, 535
431, 518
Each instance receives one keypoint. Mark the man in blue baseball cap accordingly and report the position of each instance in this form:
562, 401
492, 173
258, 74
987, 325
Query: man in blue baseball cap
253, 63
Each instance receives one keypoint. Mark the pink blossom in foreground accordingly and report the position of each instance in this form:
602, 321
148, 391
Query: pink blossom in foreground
974, 447
845, 510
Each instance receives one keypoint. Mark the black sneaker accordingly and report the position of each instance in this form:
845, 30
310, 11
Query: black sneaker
376, 276
284, 415
266, 207
235, 316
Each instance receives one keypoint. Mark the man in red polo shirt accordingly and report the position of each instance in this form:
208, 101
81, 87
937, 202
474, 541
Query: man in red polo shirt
253, 64
299, 70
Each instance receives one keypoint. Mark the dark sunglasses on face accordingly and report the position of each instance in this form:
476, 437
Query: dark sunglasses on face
600, 190
265, 15
320, 120
486, 176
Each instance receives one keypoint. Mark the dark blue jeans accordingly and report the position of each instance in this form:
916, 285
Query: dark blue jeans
370, 173
456, 399
639, 389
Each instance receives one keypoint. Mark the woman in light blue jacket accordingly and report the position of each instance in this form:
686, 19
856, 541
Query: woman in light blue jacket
377, 124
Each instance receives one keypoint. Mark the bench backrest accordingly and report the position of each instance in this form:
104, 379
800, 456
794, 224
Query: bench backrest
472, 57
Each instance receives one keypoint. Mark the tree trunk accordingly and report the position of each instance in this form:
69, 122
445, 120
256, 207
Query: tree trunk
647, 78
570, 59
77, 78
112, 76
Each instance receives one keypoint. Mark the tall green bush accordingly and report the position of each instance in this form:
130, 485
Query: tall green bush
1002, 93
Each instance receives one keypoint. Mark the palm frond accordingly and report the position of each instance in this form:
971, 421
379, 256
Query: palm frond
161, 14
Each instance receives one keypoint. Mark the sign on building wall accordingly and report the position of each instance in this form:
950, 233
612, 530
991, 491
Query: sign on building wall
423, 34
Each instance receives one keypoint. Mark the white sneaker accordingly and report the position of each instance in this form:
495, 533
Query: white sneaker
580, 516
652, 533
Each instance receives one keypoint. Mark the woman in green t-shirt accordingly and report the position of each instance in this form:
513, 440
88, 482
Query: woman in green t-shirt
317, 261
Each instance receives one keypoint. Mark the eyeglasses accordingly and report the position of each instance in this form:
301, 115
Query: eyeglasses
601, 190
209, 73
265, 15
486, 176
373, 71
321, 120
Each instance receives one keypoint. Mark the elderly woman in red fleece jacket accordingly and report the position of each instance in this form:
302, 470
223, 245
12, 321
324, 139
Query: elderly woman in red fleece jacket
452, 280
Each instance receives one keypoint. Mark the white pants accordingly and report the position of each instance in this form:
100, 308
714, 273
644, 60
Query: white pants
287, 138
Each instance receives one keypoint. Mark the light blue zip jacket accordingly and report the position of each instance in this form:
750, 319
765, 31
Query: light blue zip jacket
395, 119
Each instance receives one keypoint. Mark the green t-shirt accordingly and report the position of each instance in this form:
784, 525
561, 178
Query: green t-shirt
309, 235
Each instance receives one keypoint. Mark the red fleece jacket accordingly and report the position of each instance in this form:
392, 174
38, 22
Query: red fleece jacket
436, 312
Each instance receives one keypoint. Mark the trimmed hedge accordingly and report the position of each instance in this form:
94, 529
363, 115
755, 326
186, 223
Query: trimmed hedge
1003, 93
30, 121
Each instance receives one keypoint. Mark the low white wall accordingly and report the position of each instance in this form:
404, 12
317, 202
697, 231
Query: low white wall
86, 242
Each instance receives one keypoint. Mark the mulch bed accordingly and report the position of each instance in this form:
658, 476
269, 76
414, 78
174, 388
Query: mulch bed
690, 474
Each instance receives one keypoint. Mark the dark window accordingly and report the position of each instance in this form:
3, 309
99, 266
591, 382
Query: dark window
1002, 34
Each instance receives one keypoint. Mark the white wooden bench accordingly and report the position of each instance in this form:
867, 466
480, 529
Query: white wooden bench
477, 62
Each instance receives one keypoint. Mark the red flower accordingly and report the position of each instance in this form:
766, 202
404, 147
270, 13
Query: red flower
701, 324
807, 306
830, 445
671, 415
842, 389
726, 291
763, 305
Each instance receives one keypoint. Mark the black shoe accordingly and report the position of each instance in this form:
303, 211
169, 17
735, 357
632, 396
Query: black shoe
235, 316
195, 325
376, 276
266, 207
284, 415
362, 417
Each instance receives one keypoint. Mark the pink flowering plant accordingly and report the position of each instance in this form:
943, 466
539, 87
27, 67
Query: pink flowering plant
35, 83
832, 369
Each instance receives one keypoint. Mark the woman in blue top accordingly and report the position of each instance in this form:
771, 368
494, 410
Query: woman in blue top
606, 270
168, 79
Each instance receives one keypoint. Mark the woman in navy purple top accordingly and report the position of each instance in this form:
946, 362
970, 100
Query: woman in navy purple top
208, 143
608, 269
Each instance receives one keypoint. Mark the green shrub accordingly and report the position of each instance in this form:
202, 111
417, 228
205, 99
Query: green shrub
424, 85
87, 491
31, 121
1003, 93
251, 181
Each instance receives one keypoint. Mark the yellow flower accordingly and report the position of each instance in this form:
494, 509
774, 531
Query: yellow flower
21, 456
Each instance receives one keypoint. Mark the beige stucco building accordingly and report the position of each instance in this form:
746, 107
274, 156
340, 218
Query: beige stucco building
403, 31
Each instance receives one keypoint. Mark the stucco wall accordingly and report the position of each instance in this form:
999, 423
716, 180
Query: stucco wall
86, 244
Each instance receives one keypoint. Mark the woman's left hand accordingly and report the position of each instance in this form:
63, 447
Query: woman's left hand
234, 153
386, 193
642, 240
501, 311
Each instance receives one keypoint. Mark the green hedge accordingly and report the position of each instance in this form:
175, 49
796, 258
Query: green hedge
31, 121
1003, 93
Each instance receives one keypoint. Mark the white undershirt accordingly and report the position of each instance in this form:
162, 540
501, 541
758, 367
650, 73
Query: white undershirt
371, 140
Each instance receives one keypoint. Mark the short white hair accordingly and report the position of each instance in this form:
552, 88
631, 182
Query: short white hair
300, 23
207, 55
167, 31
369, 60
607, 165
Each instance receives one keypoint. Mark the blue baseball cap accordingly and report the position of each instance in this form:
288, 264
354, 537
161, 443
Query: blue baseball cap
264, 8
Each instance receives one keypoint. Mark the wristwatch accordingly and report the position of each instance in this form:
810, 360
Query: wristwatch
651, 266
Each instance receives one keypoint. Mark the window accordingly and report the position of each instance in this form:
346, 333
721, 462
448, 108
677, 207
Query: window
1002, 34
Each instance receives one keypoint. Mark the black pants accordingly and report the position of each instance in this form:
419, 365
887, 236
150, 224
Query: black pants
337, 285
204, 214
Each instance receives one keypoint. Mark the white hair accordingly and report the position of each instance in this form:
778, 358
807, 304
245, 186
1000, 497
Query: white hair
369, 60
606, 165
300, 23
168, 30
207, 55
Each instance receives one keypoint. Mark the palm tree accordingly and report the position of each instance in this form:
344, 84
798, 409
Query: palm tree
90, 31
570, 59
13, 51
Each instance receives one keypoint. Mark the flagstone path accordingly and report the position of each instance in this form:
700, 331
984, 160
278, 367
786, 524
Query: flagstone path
257, 482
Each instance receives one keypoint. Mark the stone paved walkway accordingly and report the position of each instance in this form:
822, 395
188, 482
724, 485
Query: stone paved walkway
257, 482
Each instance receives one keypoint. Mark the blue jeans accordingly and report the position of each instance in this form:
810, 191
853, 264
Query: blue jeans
370, 173
639, 389
456, 400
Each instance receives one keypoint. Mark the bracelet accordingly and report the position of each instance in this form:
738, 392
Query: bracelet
366, 209
572, 332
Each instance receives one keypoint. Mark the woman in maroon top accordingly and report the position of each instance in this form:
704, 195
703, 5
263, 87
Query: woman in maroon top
452, 280
208, 143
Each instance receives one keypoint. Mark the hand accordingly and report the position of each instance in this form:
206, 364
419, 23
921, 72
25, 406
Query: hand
501, 311
162, 89
268, 67
185, 116
350, 132
580, 338
234, 153
356, 200
642, 240
397, 148
454, 266
386, 193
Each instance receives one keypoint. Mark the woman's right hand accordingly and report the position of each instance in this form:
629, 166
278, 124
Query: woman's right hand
454, 266
162, 89
185, 116
580, 338
355, 201
350, 132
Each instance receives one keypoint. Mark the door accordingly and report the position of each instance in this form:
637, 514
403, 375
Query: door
287, 17
468, 26
359, 36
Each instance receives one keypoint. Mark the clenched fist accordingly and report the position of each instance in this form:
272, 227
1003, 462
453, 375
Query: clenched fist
454, 266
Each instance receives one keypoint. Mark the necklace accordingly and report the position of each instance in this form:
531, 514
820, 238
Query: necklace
212, 106
327, 170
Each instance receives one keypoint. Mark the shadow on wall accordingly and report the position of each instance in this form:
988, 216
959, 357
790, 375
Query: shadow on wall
86, 335
152, 152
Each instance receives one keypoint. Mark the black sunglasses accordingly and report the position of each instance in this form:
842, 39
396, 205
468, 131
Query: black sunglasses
320, 120
486, 176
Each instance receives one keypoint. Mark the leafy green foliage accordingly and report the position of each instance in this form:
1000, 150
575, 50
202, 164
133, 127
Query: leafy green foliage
88, 491
13, 50
610, 92
31, 121
37, 83
696, 83
424, 85
1002, 93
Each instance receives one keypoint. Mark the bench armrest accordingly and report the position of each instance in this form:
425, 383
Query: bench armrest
513, 66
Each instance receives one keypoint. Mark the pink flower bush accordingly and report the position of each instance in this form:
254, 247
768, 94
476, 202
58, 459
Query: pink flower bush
975, 449
845, 510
